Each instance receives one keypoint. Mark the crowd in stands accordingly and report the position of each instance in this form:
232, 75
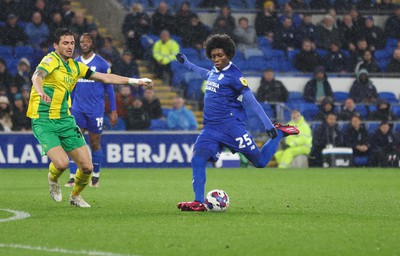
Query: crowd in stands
282, 38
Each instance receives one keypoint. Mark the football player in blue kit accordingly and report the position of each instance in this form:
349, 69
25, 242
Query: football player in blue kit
226, 98
88, 106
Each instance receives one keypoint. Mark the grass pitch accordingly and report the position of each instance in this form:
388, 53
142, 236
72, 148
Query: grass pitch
272, 212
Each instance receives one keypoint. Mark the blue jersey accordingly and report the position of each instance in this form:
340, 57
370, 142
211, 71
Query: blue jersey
222, 99
88, 96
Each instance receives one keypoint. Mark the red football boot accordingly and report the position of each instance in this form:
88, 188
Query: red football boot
192, 206
287, 129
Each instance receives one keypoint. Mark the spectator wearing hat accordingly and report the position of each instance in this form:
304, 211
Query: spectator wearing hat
318, 87
37, 30
374, 35
368, 63
392, 25
327, 33
19, 119
363, 90
394, 64
24, 74
383, 112
5, 76
12, 34
335, 60
307, 59
327, 107
266, 20
5, 113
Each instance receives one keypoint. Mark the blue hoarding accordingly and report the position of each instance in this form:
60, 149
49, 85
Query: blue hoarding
124, 150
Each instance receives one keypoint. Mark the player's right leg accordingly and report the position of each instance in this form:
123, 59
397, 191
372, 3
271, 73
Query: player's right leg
59, 162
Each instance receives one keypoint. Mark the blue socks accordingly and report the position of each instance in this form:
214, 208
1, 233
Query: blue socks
96, 160
199, 162
269, 149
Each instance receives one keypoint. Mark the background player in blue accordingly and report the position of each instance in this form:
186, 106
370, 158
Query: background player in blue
88, 106
226, 98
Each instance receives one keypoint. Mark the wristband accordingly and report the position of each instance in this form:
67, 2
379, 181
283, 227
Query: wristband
133, 81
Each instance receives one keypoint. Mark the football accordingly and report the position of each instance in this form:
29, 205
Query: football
217, 200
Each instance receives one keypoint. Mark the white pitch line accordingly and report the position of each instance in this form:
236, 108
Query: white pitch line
60, 250
19, 215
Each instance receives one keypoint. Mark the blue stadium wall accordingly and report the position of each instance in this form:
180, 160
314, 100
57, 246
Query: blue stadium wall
120, 149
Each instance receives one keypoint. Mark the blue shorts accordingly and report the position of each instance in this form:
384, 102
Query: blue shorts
89, 121
232, 135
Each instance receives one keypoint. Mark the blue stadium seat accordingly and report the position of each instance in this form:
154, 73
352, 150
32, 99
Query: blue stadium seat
315, 125
292, 55
268, 109
396, 110
178, 39
273, 54
6, 50
372, 127
249, 53
264, 43
166, 111
194, 88
255, 64
391, 43
362, 110
381, 54
238, 4
340, 96
120, 126
321, 52
343, 126
148, 40
309, 110
158, 124
23, 51
295, 97
388, 96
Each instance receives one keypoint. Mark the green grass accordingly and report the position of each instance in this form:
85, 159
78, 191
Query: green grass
272, 212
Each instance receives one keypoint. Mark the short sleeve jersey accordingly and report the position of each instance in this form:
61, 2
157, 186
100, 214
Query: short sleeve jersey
58, 84
223, 95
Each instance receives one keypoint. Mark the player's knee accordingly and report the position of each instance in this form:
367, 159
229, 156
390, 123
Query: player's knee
61, 164
86, 167
95, 146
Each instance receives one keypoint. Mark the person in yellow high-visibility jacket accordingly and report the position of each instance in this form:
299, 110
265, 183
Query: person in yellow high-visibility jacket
164, 51
295, 145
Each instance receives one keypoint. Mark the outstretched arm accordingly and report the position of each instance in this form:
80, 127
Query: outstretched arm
116, 79
201, 71
249, 102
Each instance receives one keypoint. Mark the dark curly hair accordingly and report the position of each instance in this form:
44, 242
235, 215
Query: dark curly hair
60, 32
221, 41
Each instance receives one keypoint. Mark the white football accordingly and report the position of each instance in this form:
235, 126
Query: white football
217, 200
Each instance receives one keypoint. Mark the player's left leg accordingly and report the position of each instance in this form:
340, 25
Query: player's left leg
97, 154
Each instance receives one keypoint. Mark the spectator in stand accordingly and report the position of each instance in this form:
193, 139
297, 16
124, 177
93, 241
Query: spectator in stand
40, 53
357, 55
5, 114
358, 20
327, 107
266, 20
394, 64
348, 33
5, 76
327, 134
383, 112
79, 24
289, 13
307, 59
348, 111
320, 4
225, 13
335, 60
356, 137
67, 13
164, 51
196, 33
384, 147
327, 33
162, 19
386, 5
7, 7
182, 17
24, 74
55, 23
136, 24
98, 39
374, 35
298, 4
366, 4
213, 3
332, 12
41, 6
123, 100
109, 52
127, 67
270, 89
260, 4
152, 104
245, 35
181, 118
20, 122
308, 30
318, 87
137, 117
26, 93
37, 31
363, 90
12, 34
287, 36
295, 145
221, 27
368, 63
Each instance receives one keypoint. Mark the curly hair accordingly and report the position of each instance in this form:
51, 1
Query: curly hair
60, 32
221, 41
